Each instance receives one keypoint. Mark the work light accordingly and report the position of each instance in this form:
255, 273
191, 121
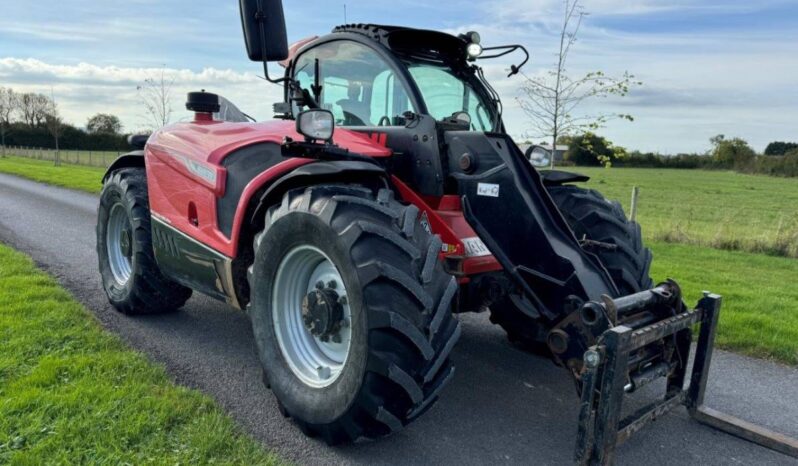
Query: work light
473, 50
316, 124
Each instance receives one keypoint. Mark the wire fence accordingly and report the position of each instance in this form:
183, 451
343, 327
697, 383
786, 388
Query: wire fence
89, 158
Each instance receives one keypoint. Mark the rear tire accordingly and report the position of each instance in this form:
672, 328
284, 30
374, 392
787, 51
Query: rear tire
592, 217
131, 278
398, 298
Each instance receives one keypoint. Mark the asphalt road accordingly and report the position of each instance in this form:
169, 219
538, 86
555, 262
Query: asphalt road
503, 406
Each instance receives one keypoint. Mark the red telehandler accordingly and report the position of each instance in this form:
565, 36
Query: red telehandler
384, 198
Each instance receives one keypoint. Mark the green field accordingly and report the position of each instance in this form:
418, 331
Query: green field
719, 209
71, 393
759, 315
69, 176
91, 158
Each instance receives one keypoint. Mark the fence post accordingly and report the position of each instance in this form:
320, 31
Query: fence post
633, 209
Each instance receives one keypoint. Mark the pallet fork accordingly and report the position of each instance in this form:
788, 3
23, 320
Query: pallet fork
605, 382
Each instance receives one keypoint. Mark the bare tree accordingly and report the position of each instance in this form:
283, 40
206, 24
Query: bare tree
52, 120
27, 108
33, 108
42, 105
551, 102
8, 105
156, 96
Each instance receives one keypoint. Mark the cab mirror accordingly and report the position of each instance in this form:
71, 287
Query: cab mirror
264, 29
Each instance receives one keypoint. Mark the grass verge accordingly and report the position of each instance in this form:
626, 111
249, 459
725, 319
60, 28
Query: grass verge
78, 177
717, 209
759, 315
71, 393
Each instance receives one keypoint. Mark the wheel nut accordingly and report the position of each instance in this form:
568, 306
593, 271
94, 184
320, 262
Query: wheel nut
319, 285
343, 301
592, 358
332, 284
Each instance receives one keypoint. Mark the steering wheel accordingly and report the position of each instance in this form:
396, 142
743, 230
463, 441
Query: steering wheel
350, 119
384, 121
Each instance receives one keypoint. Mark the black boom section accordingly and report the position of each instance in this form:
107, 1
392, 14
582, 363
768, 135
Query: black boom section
506, 203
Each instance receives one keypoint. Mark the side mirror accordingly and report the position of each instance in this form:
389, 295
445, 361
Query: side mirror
264, 29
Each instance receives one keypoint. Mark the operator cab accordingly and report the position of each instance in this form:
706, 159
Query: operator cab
403, 87
372, 76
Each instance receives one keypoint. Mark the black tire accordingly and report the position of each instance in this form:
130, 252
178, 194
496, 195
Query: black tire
403, 330
146, 291
592, 217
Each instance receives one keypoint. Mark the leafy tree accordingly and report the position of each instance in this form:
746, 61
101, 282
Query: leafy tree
551, 102
780, 148
732, 153
104, 123
590, 149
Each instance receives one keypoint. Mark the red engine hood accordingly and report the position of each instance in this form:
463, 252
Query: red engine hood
212, 141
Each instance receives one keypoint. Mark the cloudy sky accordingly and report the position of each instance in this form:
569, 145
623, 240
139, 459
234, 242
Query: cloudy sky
708, 66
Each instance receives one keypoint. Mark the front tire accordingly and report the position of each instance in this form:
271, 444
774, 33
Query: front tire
595, 218
131, 278
374, 355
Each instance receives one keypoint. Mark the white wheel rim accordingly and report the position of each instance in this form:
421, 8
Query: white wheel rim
119, 252
317, 363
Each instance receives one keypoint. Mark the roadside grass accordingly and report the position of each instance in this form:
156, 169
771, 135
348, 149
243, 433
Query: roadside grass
71, 393
717, 209
68, 176
759, 314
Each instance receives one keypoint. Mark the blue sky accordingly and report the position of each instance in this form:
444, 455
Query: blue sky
708, 66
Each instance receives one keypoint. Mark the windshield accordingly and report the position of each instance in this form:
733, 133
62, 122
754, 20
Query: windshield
445, 94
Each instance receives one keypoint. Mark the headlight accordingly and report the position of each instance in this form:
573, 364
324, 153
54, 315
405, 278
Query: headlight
473, 51
316, 124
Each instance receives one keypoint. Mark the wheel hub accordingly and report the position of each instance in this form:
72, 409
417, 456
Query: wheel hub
323, 313
125, 243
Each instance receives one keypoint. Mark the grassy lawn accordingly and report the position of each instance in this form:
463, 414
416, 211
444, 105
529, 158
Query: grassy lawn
71, 393
724, 210
759, 316
68, 176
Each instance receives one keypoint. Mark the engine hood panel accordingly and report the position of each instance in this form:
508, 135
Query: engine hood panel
212, 141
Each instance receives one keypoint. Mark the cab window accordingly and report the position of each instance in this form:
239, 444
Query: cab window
358, 86
446, 94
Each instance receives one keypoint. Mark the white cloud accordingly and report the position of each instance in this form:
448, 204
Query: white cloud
84, 89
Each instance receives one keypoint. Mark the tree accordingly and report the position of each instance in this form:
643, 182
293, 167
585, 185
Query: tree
104, 123
156, 96
34, 108
8, 105
732, 153
780, 148
52, 120
552, 101
590, 149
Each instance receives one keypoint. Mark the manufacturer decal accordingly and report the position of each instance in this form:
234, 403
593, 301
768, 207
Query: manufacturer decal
488, 189
425, 222
474, 247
